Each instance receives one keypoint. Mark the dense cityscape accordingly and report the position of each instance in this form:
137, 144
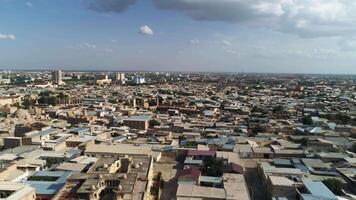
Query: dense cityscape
163, 135
177, 99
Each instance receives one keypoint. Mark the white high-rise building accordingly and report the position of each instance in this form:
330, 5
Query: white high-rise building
5, 77
138, 80
57, 76
120, 78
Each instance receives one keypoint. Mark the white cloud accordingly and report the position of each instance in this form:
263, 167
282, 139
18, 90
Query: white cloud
7, 37
29, 4
306, 18
226, 43
84, 45
88, 45
146, 30
194, 41
113, 6
315, 53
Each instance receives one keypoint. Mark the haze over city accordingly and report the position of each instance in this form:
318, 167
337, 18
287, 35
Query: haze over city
279, 36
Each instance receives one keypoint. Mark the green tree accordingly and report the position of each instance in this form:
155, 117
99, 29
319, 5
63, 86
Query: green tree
26, 103
44, 93
343, 118
334, 185
154, 122
307, 120
258, 129
62, 96
304, 141
353, 135
52, 100
353, 148
49, 100
278, 109
17, 105
181, 137
3, 114
213, 167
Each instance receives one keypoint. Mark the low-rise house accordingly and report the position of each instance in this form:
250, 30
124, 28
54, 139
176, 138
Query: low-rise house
16, 191
200, 154
189, 175
211, 181
281, 187
97, 150
125, 177
315, 190
137, 122
47, 183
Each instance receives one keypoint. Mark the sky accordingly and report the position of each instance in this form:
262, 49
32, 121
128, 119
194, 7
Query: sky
277, 36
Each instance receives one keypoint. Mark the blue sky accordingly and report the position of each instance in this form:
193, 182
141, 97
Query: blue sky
179, 35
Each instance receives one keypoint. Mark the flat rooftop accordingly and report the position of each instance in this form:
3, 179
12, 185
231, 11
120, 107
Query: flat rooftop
119, 149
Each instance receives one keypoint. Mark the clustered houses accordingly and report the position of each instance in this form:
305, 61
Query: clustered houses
178, 136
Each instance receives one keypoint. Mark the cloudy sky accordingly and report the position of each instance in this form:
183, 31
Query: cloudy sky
288, 36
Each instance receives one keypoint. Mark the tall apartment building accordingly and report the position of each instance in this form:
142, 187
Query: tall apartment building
138, 80
5, 77
57, 76
120, 78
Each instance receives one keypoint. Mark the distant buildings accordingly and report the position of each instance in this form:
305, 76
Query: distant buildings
5, 77
138, 80
57, 77
16, 191
120, 78
103, 80
243, 138
137, 122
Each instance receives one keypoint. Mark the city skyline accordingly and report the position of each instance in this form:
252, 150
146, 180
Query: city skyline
281, 36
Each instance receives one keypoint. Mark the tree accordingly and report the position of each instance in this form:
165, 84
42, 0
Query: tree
334, 185
304, 141
17, 105
307, 120
257, 109
343, 118
353, 135
49, 100
258, 129
237, 130
213, 167
26, 103
44, 93
181, 137
3, 114
154, 123
278, 109
353, 148
62, 96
